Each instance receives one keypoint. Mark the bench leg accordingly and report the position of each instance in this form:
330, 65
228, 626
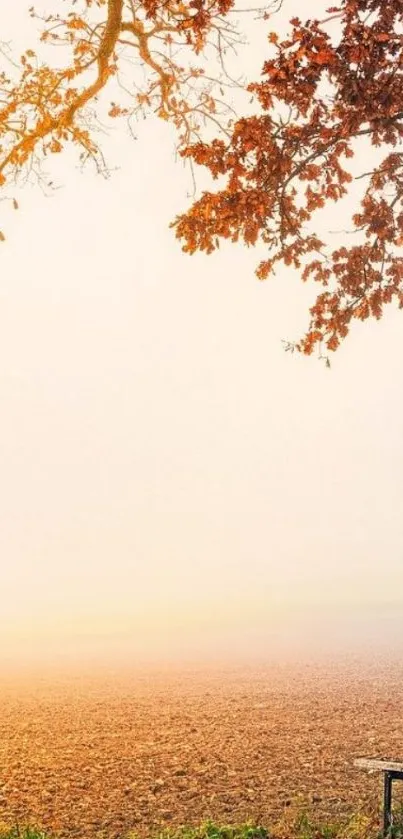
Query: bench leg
387, 803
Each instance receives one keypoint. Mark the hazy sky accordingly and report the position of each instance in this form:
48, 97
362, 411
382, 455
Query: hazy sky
171, 479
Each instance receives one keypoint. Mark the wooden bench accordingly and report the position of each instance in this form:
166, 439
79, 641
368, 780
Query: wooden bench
392, 771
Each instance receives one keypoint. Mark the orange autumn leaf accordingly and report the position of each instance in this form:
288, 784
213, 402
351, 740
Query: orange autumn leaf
289, 161
281, 172
45, 108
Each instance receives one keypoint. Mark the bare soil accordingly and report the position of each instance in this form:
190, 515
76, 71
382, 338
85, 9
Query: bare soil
102, 755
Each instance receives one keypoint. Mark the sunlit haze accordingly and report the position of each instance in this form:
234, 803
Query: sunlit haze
174, 485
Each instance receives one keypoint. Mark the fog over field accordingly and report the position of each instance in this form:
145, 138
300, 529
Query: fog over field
303, 639
174, 486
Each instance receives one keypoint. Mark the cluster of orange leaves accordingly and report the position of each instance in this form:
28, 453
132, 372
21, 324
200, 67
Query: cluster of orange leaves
322, 93
330, 85
44, 107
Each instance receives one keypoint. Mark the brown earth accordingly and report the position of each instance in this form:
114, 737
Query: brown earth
104, 755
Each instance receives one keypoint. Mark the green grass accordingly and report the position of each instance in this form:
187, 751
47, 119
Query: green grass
22, 833
209, 830
360, 826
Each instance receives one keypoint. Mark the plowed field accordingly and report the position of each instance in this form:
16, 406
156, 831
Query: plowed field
103, 755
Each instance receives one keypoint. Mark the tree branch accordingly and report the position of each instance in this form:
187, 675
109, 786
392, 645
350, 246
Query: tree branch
64, 120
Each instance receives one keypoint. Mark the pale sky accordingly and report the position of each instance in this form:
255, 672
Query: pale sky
171, 480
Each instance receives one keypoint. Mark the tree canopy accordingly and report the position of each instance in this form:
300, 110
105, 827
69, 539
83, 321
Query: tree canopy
330, 84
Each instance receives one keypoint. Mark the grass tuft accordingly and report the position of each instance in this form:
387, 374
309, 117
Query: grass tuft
360, 826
